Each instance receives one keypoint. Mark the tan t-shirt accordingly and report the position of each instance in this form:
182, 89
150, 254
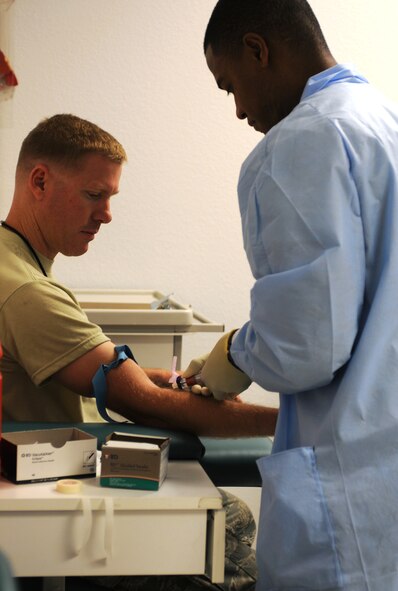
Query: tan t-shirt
42, 329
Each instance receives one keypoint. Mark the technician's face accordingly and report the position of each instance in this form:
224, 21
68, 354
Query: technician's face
79, 203
250, 80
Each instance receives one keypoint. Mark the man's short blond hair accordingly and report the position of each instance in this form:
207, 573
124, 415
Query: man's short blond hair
65, 139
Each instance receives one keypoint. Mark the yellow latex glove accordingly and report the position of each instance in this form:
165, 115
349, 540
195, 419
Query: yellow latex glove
195, 369
224, 380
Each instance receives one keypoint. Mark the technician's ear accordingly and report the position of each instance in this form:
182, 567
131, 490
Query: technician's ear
38, 179
256, 45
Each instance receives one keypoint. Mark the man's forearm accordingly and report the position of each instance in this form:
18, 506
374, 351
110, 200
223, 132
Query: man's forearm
133, 395
208, 417
160, 377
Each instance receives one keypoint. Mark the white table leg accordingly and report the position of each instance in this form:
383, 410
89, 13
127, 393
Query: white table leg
215, 548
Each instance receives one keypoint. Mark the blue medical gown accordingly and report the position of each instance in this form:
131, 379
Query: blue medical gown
319, 205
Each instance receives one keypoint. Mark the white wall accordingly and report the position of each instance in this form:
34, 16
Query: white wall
136, 68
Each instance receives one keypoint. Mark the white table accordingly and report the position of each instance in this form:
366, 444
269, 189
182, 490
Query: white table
179, 529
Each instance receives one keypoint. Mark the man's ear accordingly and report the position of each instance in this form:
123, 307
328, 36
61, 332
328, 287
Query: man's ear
38, 178
258, 47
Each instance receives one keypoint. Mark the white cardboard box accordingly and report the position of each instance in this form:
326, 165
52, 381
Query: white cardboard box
134, 461
47, 454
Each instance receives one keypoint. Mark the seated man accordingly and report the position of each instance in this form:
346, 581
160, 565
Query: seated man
68, 170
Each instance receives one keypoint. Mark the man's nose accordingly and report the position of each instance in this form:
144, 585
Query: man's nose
103, 213
240, 113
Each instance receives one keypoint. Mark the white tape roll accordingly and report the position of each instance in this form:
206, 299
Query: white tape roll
69, 487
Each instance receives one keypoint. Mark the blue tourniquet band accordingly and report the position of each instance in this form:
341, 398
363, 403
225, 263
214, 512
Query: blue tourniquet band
99, 380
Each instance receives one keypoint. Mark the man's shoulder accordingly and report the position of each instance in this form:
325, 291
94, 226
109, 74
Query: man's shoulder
40, 292
19, 273
20, 286
14, 275
357, 107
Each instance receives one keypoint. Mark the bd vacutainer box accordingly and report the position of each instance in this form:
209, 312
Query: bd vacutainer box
48, 454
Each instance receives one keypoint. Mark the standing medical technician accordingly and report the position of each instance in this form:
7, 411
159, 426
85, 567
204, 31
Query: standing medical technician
318, 199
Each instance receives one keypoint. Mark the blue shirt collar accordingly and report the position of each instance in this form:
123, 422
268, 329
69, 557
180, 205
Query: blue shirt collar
334, 75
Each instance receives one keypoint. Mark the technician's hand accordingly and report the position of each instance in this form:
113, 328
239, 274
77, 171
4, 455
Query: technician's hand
223, 379
194, 369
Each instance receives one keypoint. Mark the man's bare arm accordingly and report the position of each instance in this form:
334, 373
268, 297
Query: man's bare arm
151, 405
132, 394
159, 376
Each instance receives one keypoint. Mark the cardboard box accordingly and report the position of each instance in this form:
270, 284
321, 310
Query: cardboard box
134, 461
48, 454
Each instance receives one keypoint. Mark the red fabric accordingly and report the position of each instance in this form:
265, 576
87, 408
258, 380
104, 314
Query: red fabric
7, 76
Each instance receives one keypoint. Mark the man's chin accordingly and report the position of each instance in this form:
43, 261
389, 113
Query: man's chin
75, 252
262, 129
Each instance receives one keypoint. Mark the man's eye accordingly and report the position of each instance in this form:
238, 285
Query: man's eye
92, 195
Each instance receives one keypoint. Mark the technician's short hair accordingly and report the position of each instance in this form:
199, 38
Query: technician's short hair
65, 138
290, 21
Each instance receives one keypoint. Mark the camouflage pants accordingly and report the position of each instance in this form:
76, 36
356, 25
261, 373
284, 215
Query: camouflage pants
240, 560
